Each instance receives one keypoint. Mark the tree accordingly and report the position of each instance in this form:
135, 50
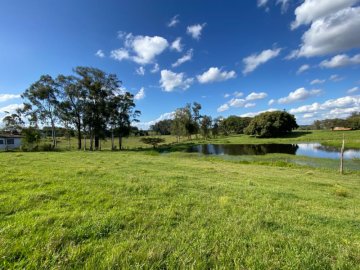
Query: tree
124, 114
72, 104
235, 124
13, 122
152, 141
99, 89
354, 120
42, 97
205, 126
179, 122
162, 127
271, 124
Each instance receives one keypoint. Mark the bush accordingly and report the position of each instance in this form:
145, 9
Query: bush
271, 124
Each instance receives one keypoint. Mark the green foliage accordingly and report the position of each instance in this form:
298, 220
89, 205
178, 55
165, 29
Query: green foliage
162, 127
271, 124
234, 124
31, 138
154, 141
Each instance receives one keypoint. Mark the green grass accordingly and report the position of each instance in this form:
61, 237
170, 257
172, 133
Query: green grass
116, 210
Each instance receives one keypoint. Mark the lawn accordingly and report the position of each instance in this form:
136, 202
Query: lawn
109, 210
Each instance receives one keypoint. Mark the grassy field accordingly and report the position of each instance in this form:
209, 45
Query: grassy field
116, 210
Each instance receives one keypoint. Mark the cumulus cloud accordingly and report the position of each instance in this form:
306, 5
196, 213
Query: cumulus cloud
170, 81
334, 33
302, 69
185, 58
9, 109
253, 61
100, 54
341, 60
155, 69
236, 103
119, 54
140, 71
299, 95
335, 78
215, 74
174, 21
353, 90
350, 102
312, 10
284, 5
223, 108
195, 30
271, 102
140, 95
176, 45
6, 97
140, 49
256, 96
317, 81
146, 125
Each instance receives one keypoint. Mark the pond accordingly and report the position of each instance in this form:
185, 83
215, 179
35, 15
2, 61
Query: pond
302, 149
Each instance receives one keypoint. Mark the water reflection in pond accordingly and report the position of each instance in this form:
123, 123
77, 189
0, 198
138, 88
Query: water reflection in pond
304, 149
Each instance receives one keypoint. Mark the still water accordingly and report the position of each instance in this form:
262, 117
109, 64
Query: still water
303, 149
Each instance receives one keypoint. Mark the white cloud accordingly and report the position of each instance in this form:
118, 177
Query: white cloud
330, 105
146, 125
155, 69
195, 30
226, 95
317, 81
6, 97
341, 60
100, 54
9, 109
271, 102
185, 58
262, 3
140, 95
250, 105
215, 74
223, 108
174, 21
238, 94
299, 95
236, 103
140, 71
253, 61
302, 69
171, 80
335, 33
120, 54
176, 45
140, 49
284, 5
256, 96
252, 114
353, 90
335, 78
312, 10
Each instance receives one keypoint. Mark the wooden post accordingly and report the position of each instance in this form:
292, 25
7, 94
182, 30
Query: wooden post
342, 156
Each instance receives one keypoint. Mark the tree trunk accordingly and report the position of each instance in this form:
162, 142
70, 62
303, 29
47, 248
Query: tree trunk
91, 141
97, 142
79, 136
112, 140
84, 141
120, 142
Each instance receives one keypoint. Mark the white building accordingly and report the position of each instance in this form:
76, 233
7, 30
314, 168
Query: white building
9, 142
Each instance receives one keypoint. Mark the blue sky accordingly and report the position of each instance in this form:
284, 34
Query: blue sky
234, 57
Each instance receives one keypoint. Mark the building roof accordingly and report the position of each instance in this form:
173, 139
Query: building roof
10, 136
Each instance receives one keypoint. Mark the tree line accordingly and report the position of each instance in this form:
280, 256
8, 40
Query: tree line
91, 101
353, 122
188, 121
